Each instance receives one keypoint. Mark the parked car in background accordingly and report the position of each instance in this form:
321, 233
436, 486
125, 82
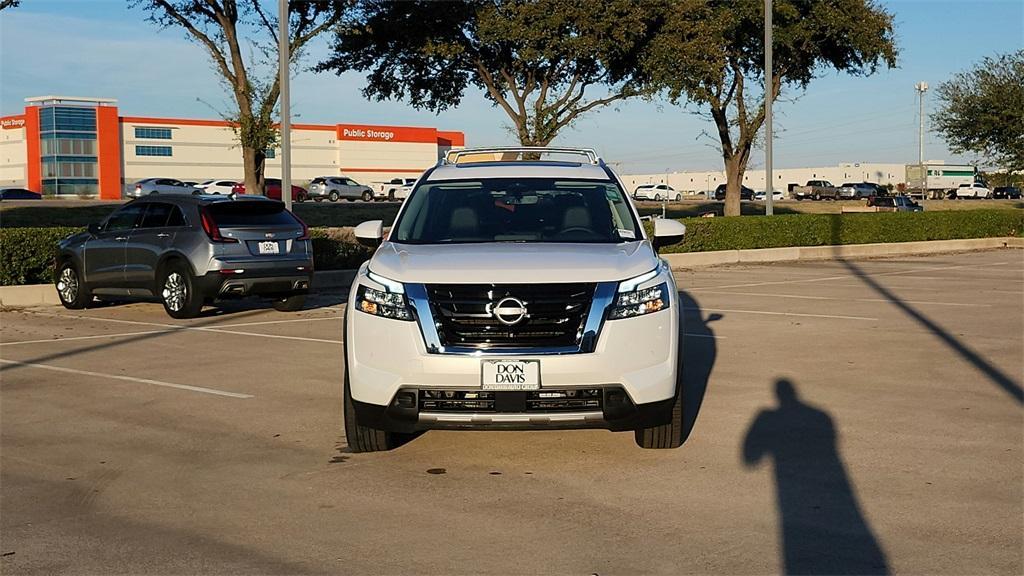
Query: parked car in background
973, 190
148, 186
857, 190
894, 204
656, 192
186, 250
272, 189
217, 186
762, 195
395, 189
334, 188
816, 190
1006, 192
19, 194
745, 193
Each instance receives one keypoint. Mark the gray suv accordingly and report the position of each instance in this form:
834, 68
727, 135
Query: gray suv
334, 188
186, 251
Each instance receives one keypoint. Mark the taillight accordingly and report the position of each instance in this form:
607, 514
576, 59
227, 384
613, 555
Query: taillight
211, 228
305, 229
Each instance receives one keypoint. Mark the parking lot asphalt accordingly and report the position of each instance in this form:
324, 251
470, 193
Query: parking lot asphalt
843, 416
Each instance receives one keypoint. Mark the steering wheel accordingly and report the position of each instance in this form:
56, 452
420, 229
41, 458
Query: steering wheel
573, 229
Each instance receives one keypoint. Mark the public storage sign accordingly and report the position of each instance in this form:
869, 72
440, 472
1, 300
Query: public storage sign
12, 122
363, 133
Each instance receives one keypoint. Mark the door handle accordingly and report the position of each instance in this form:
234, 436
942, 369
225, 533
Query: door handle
120, 238
163, 235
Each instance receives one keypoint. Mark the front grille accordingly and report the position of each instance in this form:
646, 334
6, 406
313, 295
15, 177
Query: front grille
582, 400
556, 314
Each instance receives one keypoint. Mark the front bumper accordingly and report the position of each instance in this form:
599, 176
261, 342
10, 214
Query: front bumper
635, 359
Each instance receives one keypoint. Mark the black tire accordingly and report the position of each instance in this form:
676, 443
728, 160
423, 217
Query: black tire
333, 196
177, 291
657, 197
391, 195
292, 303
367, 196
665, 436
73, 294
300, 198
817, 196
361, 438
679, 197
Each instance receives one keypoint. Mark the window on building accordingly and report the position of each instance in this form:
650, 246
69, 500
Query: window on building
153, 151
155, 133
270, 153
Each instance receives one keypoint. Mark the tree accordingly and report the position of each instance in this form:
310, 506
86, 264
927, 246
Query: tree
9, 3
982, 111
220, 27
713, 56
545, 63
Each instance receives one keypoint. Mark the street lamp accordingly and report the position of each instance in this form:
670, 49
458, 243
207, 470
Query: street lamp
768, 210
283, 64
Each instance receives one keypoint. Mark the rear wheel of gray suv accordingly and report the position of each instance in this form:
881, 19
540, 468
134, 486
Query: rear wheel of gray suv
292, 303
333, 196
177, 291
72, 293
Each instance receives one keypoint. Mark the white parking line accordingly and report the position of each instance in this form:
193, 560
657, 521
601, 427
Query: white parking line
68, 339
766, 313
884, 300
130, 379
176, 327
276, 322
843, 277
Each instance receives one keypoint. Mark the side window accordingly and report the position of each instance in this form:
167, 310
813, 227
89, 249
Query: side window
125, 218
156, 215
176, 218
350, 182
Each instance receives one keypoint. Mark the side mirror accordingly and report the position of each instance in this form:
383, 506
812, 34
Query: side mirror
371, 233
95, 228
667, 232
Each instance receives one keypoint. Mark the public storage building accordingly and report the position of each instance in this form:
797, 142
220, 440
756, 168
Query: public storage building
82, 146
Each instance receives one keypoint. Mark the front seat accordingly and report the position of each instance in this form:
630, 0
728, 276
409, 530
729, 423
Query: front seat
576, 217
464, 224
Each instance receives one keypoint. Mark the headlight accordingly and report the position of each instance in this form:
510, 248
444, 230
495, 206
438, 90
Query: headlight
633, 302
387, 303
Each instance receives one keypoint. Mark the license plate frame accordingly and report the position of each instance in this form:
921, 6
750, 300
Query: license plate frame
520, 375
270, 247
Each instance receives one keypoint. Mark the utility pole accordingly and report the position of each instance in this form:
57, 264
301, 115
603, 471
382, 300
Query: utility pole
921, 88
768, 209
283, 64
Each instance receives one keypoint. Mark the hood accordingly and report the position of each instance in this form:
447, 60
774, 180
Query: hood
512, 263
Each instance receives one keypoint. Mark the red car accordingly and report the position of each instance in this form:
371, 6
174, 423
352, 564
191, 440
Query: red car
273, 190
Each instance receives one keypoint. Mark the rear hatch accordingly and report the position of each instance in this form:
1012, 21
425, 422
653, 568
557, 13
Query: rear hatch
262, 228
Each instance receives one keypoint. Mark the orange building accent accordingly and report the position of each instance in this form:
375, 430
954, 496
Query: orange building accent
448, 138
108, 144
33, 152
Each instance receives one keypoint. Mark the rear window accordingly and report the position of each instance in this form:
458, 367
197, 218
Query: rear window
230, 214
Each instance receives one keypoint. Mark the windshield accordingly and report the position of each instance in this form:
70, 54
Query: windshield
516, 210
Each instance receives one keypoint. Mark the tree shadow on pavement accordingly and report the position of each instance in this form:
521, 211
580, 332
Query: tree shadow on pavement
823, 529
996, 376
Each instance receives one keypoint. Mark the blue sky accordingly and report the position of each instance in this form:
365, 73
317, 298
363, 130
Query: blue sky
103, 48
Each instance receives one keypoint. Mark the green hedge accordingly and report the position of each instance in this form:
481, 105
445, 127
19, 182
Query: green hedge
26, 254
707, 234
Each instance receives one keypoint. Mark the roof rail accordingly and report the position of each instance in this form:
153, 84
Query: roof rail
453, 156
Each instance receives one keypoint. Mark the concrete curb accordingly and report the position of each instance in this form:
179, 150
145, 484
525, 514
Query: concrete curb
45, 294
796, 253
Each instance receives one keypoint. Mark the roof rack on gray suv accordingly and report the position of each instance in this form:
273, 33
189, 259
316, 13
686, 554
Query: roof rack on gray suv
453, 156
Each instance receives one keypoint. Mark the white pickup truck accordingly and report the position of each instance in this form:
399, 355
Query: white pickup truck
394, 189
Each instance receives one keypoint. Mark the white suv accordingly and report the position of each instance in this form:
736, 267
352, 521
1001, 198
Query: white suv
520, 294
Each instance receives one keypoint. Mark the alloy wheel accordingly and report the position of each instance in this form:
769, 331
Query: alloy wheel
67, 286
175, 291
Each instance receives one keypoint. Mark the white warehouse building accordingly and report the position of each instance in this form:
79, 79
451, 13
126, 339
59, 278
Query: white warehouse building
698, 182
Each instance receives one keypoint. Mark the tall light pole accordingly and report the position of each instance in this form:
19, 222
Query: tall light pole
284, 60
921, 88
768, 108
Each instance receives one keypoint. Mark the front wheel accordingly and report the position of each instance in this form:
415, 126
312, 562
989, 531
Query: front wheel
665, 436
178, 292
367, 196
72, 293
292, 303
362, 438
